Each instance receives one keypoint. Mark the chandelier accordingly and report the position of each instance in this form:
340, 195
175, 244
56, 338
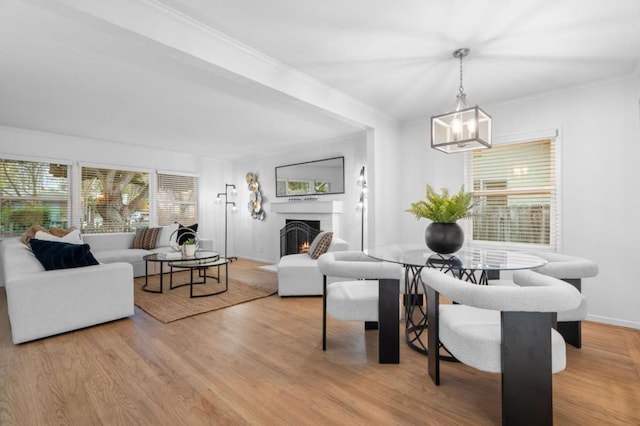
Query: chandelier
463, 129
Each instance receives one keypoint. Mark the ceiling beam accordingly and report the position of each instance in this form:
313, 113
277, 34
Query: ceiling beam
208, 48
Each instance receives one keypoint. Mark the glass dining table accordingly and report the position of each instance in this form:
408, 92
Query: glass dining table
476, 265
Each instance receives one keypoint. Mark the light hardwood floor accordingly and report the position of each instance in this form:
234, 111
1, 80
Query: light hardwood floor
262, 363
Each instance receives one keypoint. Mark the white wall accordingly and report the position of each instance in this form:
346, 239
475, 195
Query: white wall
213, 176
599, 142
30, 143
422, 165
260, 240
386, 168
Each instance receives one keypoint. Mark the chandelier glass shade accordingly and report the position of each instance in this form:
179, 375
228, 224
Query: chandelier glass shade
465, 128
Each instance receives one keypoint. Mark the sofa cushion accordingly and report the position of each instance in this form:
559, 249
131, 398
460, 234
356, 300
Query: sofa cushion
110, 241
145, 238
121, 255
31, 233
166, 232
320, 244
58, 255
59, 232
300, 260
73, 237
162, 250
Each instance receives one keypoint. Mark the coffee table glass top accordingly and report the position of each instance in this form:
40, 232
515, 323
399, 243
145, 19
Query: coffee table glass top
176, 256
198, 263
471, 258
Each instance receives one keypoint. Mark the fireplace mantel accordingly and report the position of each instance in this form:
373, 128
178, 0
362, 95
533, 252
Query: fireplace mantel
307, 207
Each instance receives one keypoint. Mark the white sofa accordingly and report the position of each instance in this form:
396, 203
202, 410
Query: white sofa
298, 274
43, 303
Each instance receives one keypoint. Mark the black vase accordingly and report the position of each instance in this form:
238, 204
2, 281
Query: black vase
444, 238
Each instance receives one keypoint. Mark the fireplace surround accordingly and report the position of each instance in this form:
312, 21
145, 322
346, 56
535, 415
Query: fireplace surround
328, 212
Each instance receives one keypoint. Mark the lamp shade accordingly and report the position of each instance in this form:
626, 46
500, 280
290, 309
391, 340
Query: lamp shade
461, 130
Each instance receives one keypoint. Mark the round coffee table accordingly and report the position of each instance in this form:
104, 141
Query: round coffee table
166, 258
201, 266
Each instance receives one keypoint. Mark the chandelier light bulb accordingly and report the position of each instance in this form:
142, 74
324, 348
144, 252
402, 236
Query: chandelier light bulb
218, 200
456, 126
471, 125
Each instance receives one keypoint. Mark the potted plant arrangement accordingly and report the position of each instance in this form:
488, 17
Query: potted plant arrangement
443, 235
189, 247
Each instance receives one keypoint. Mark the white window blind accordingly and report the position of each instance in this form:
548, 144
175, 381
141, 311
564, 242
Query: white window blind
177, 199
514, 193
113, 200
32, 193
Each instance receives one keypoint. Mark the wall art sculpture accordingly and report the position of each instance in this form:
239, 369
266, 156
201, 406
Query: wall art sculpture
255, 197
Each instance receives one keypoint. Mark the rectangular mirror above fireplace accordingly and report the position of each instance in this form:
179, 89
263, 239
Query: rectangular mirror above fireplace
318, 177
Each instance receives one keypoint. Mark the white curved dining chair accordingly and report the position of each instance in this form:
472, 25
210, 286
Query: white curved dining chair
503, 329
372, 296
572, 270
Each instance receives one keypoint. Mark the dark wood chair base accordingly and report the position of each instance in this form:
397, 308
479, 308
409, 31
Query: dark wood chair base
527, 393
387, 326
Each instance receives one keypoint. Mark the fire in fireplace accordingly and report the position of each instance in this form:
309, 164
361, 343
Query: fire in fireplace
297, 235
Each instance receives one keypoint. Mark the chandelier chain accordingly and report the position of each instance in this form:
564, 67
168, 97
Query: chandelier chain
461, 89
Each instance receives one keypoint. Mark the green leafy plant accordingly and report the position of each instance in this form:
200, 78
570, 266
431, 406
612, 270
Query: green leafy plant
190, 241
443, 208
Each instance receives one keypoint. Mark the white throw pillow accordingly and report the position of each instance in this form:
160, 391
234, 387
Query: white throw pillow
165, 233
73, 237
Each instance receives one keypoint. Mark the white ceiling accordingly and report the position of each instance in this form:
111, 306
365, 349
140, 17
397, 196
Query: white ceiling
63, 75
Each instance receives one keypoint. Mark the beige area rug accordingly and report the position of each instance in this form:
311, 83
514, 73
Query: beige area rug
172, 305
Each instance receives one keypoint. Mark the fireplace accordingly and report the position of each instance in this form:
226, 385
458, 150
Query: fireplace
297, 235
326, 213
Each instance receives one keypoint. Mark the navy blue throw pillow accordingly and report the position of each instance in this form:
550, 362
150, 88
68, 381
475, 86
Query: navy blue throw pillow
184, 234
59, 255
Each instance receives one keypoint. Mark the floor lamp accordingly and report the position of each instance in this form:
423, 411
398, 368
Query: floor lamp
227, 203
362, 183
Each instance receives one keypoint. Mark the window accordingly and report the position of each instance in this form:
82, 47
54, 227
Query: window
514, 193
177, 199
113, 200
32, 192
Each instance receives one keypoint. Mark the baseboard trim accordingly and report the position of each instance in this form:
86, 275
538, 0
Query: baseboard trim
613, 321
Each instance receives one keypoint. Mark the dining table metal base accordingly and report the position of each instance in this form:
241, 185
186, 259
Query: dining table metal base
416, 318
416, 310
